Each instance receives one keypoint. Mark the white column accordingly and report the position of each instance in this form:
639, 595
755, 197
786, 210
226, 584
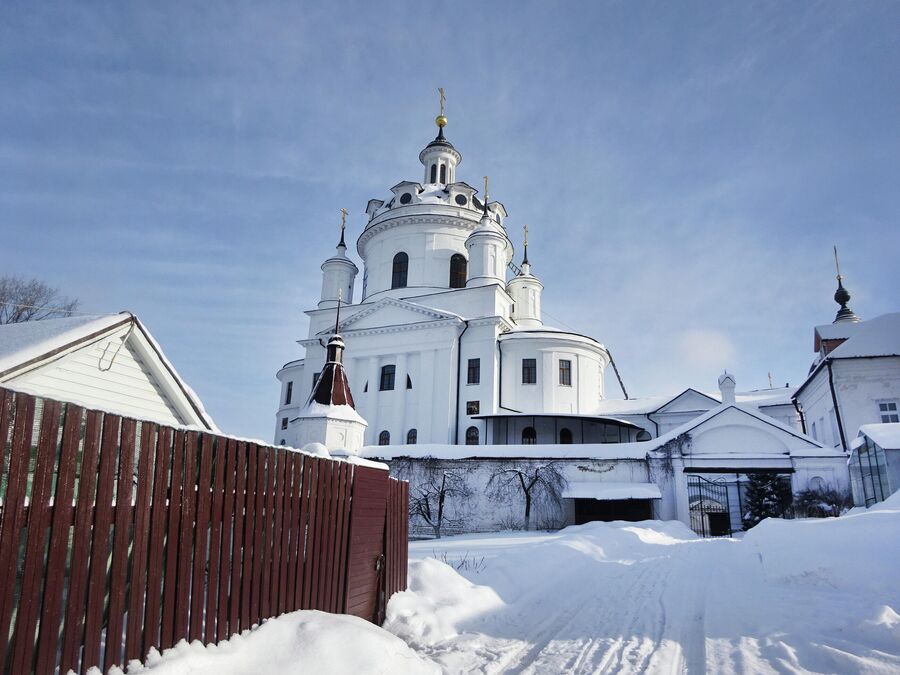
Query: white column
400, 414
371, 399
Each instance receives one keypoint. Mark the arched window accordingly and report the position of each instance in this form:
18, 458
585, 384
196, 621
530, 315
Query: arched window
816, 483
565, 436
458, 267
434, 173
408, 382
472, 436
411, 436
529, 436
401, 266
387, 377
443, 173
384, 438
643, 435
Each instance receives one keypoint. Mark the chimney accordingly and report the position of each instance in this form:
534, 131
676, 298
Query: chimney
726, 387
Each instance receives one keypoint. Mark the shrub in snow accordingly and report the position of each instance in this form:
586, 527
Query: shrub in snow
823, 503
768, 496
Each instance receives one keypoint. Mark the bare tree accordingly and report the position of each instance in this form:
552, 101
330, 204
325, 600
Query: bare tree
535, 482
31, 300
430, 489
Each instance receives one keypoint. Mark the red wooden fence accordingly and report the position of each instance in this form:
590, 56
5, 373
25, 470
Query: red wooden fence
118, 535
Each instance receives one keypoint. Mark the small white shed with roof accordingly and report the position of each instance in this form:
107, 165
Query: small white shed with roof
108, 362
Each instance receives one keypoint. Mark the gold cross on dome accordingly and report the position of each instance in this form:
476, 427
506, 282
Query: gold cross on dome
525, 227
443, 98
837, 265
344, 213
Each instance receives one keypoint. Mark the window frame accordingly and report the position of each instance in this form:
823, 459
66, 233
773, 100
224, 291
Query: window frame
473, 407
284, 423
412, 436
529, 438
567, 371
289, 392
473, 371
388, 377
888, 410
459, 271
400, 270
529, 367
473, 436
384, 437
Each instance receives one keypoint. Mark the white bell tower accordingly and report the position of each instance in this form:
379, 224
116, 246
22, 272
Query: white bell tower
525, 289
338, 273
489, 250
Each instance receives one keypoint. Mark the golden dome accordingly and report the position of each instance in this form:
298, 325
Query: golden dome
441, 121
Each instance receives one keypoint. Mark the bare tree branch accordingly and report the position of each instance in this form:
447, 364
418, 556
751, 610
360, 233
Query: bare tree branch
31, 300
430, 490
534, 482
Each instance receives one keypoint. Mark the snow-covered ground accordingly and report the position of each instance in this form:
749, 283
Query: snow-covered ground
790, 596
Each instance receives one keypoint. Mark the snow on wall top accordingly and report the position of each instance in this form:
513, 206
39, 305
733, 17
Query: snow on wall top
578, 451
876, 337
607, 491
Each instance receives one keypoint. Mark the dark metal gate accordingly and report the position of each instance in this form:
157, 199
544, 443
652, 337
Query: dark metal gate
709, 506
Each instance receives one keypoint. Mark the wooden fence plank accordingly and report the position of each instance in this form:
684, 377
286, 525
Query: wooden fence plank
215, 534
13, 513
294, 529
287, 505
73, 632
137, 585
38, 520
156, 565
227, 614
259, 553
272, 458
316, 528
59, 541
173, 541
201, 540
100, 549
249, 526
186, 544
237, 606
341, 537
312, 514
122, 536
329, 537
275, 603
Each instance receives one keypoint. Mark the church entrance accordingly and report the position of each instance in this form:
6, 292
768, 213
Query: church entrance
589, 510
709, 504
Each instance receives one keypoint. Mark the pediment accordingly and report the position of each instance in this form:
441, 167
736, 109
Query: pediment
392, 312
690, 400
735, 430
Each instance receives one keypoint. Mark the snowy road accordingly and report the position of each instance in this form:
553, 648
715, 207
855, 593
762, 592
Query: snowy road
810, 596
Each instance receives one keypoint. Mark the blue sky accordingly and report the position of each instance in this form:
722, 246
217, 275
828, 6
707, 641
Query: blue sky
684, 168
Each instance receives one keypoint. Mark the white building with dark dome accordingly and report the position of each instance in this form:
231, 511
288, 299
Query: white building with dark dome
445, 340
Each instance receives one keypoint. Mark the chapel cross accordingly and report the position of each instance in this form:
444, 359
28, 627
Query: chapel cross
344, 213
837, 265
525, 227
443, 98
485, 189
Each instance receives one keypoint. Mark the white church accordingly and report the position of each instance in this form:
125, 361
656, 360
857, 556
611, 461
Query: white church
446, 348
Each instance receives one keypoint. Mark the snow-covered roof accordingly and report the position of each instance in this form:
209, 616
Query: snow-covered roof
607, 491
29, 340
838, 331
641, 406
876, 337
32, 342
885, 435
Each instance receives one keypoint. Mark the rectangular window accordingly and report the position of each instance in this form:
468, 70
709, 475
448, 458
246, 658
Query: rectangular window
529, 371
565, 373
284, 422
888, 411
814, 434
474, 376
472, 407
290, 391
387, 377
